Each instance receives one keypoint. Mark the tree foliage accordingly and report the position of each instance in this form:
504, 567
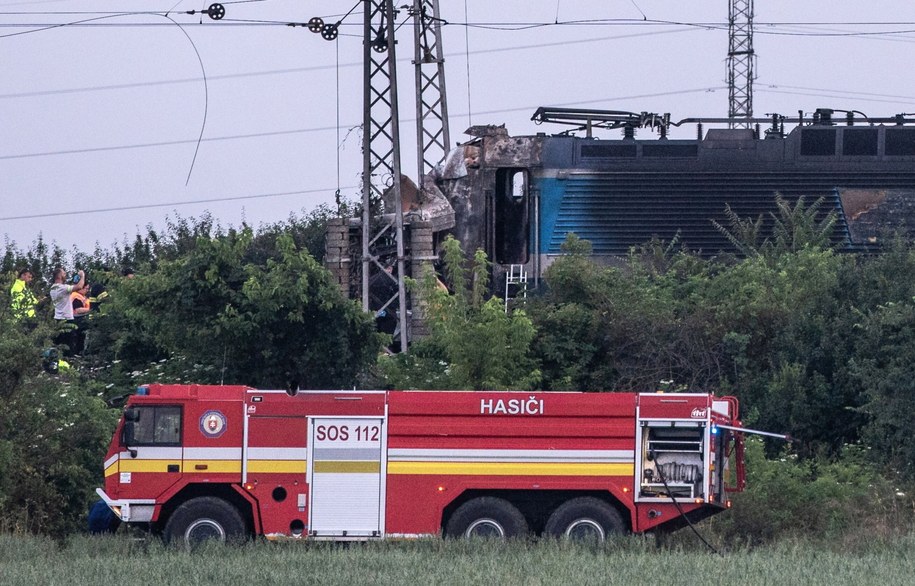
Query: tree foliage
474, 342
208, 305
793, 228
273, 324
53, 431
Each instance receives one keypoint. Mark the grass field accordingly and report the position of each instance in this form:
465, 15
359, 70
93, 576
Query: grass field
124, 560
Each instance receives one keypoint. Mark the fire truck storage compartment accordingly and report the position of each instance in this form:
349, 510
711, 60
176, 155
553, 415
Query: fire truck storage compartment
672, 460
346, 475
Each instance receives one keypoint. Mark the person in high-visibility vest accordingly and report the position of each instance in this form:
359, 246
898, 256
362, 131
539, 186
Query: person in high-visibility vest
81, 304
22, 299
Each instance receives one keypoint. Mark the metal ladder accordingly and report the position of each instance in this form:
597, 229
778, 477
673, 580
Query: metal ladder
515, 282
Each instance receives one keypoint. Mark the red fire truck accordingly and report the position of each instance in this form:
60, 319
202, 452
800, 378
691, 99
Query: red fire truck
224, 462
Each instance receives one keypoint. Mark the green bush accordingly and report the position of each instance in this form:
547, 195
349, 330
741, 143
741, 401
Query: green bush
54, 431
846, 501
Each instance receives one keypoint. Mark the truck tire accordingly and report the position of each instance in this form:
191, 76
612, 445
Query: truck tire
487, 517
585, 519
204, 518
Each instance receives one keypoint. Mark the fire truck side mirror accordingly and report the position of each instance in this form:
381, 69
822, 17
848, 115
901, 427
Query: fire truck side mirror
131, 416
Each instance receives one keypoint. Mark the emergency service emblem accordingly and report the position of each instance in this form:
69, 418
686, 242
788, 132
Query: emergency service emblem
213, 424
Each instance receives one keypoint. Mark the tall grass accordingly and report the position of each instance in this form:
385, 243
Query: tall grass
122, 560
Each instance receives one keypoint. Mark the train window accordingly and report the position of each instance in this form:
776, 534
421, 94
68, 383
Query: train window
518, 184
511, 216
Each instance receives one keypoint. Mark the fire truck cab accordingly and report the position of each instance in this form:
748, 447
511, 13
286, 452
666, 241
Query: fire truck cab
227, 462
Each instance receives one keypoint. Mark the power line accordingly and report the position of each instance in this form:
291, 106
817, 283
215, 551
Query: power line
895, 38
86, 12
212, 78
822, 92
329, 128
166, 143
166, 205
520, 26
874, 97
506, 26
467, 63
83, 24
847, 92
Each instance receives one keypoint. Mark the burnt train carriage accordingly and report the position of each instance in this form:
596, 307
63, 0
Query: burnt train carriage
519, 197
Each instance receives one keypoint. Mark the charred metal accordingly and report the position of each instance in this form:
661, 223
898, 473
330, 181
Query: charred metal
518, 197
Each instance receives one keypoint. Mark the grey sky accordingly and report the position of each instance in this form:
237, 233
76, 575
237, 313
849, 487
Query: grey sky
107, 116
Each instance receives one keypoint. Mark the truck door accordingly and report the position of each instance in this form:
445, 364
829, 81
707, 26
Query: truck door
151, 452
346, 469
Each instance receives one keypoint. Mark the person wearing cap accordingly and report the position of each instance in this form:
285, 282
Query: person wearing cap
22, 300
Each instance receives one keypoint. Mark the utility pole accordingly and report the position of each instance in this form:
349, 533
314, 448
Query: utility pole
382, 222
741, 61
432, 137
381, 158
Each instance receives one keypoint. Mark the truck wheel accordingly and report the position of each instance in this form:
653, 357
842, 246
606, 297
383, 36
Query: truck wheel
585, 519
487, 517
204, 518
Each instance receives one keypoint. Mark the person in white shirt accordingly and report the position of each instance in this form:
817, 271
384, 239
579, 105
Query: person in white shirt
63, 307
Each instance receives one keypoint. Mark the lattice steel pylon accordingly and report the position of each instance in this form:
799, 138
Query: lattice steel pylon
741, 61
432, 136
381, 160
383, 228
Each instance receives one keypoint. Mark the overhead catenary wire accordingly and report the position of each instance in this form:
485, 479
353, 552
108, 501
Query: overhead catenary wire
87, 12
294, 70
168, 204
46, 27
337, 141
818, 92
140, 84
467, 62
685, 26
206, 99
827, 95
330, 128
644, 21
166, 143
644, 16
762, 28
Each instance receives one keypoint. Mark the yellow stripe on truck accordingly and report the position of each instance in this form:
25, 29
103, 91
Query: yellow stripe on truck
141, 465
346, 467
276, 466
210, 466
511, 468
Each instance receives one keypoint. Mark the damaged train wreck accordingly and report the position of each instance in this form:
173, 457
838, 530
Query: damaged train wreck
517, 198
